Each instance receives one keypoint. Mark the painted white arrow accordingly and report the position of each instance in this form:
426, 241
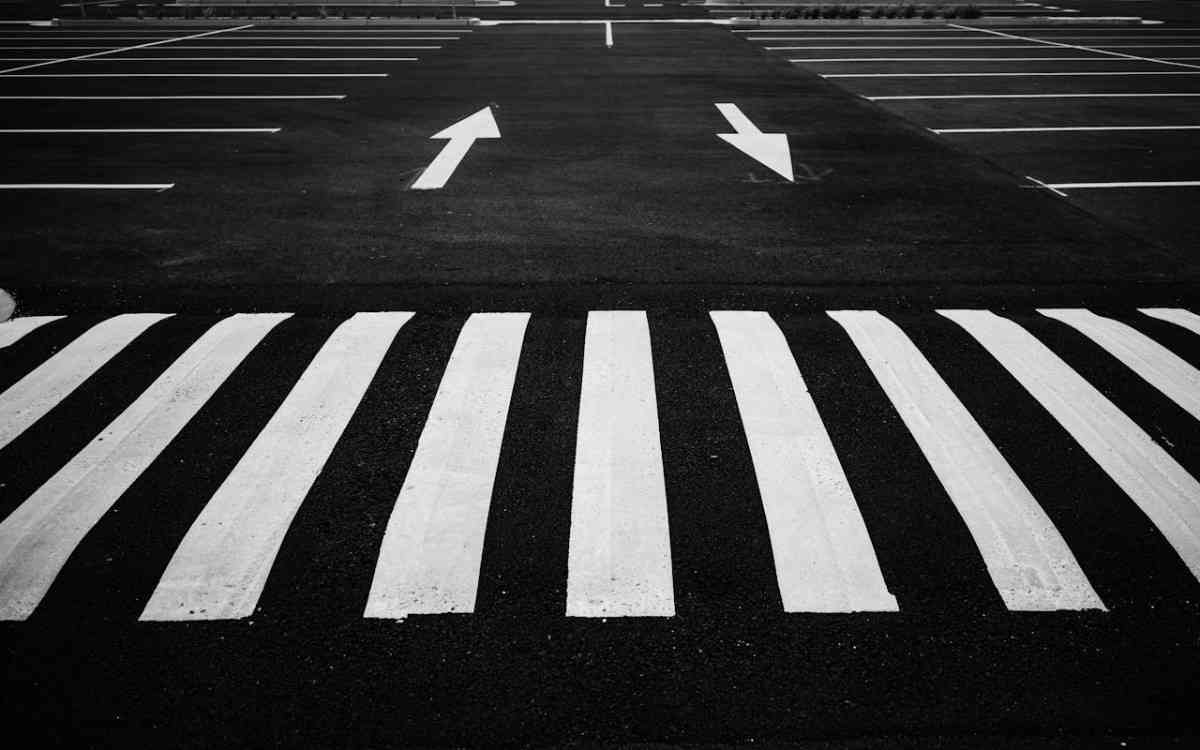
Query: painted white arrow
771, 149
461, 135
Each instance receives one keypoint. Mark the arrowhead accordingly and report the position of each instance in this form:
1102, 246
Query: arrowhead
771, 149
479, 125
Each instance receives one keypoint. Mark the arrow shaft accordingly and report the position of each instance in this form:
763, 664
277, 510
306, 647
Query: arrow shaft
740, 123
443, 165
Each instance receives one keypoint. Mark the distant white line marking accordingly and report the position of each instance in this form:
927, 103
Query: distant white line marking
1044, 185
85, 186
179, 97
130, 131
1028, 561
197, 75
109, 60
1179, 317
619, 557
1068, 129
31, 397
1022, 96
219, 570
1017, 74
14, 330
1156, 483
122, 49
1153, 362
1076, 46
824, 560
946, 59
41, 534
431, 552
914, 46
1102, 185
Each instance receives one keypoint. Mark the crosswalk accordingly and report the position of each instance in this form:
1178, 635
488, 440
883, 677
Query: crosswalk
827, 547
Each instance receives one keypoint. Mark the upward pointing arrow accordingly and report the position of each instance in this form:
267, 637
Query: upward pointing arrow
461, 135
770, 149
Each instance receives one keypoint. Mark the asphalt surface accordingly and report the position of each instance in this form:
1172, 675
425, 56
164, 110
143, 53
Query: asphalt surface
608, 189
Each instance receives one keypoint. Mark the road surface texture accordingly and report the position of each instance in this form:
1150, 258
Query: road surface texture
671, 381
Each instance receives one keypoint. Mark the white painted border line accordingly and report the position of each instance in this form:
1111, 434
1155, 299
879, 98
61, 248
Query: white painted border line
1039, 183
1066, 129
41, 534
197, 75
130, 131
824, 559
1105, 60
619, 555
124, 49
175, 97
31, 397
1024, 96
1027, 559
245, 59
915, 46
866, 39
243, 37
1017, 74
159, 187
15, 329
190, 47
1153, 362
1115, 185
1079, 47
219, 570
1180, 317
891, 30
1155, 482
432, 550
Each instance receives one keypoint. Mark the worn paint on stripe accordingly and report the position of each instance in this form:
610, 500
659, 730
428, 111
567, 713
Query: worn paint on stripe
41, 534
1179, 317
824, 560
219, 570
1153, 362
14, 330
619, 561
1028, 561
431, 552
1166, 493
28, 400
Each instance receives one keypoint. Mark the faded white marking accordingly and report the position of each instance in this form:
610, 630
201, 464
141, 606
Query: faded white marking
123, 49
1096, 50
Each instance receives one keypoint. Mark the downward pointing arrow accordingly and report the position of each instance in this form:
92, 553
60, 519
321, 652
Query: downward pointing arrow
770, 149
461, 135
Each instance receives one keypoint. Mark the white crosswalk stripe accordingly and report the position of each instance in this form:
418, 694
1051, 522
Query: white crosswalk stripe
619, 543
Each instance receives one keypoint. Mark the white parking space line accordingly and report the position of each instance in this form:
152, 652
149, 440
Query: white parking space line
196, 75
39, 536
243, 37
1106, 60
1006, 35
130, 131
109, 60
219, 569
175, 97
31, 397
431, 552
824, 560
122, 49
1017, 74
976, 47
1155, 482
1121, 185
1153, 362
619, 558
1024, 96
1183, 318
1064, 129
158, 187
1027, 559
863, 39
12, 331
190, 47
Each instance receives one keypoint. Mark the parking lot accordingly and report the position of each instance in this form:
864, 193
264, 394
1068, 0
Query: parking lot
1104, 116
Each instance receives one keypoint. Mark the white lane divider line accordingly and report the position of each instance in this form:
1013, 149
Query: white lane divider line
1028, 561
131, 131
15, 329
1155, 482
1183, 318
1154, 363
197, 75
1096, 50
1028, 96
157, 187
219, 570
619, 559
41, 534
1060, 129
179, 97
28, 400
123, 49
824, 559
431, 552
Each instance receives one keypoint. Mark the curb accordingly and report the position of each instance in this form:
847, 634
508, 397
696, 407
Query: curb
985, 21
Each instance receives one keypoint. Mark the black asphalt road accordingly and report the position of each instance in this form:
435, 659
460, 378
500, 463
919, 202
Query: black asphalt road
608, 189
